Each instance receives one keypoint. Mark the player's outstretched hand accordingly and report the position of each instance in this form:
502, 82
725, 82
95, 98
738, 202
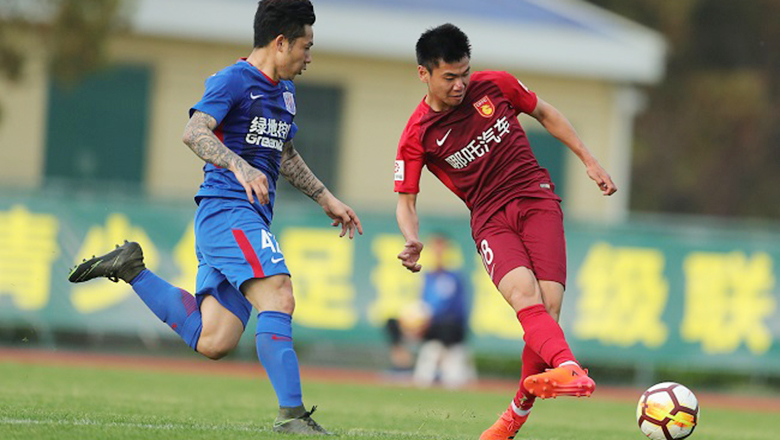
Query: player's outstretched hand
411, 254
253, 181
342, 215
602, 179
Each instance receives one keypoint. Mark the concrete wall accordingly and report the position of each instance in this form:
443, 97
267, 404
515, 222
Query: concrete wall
23, 122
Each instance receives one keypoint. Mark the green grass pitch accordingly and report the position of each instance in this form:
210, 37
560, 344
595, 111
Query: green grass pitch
63, 403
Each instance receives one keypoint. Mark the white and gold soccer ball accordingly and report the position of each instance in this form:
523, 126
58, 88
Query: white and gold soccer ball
667, 411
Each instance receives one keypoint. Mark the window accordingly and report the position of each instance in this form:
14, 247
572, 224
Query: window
551, 154
96, 134
320, 110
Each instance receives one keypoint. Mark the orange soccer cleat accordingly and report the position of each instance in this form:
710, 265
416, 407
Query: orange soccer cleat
506, 427
566, 380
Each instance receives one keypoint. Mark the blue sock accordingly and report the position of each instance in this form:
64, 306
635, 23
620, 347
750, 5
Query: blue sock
172, 305
275, 350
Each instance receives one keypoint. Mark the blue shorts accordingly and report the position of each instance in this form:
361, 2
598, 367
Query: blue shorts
233, 244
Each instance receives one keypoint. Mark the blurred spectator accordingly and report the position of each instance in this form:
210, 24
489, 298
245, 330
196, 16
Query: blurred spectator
443, 354
401, 356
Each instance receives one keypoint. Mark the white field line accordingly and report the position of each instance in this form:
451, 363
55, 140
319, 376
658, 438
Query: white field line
361, 433
162, 426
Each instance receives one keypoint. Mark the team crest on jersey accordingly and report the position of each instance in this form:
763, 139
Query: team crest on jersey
485, 107
289, 102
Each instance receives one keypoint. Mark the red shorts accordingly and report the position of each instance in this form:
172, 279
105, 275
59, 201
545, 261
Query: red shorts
526, 232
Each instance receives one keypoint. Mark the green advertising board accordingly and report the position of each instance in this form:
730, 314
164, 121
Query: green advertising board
638, 292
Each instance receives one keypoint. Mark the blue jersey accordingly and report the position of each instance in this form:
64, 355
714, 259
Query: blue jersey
255, 118
445, 293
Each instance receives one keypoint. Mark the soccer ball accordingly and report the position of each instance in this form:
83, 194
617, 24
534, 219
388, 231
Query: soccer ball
667, 411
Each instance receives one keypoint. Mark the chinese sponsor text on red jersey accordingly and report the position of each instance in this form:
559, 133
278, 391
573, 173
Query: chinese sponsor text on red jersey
478, 149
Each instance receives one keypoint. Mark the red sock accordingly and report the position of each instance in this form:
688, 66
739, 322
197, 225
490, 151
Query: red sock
544, 335
532, 364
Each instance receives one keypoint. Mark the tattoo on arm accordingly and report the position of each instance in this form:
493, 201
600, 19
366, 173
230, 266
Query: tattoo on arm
199, 136
295, 170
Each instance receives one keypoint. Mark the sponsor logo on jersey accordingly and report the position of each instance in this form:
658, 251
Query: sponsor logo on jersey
289, 102
267, 132
480, 146
440, 142
399, 171
485, 107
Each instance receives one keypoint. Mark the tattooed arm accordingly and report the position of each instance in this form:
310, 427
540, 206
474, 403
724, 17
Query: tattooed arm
295, 170
199, 136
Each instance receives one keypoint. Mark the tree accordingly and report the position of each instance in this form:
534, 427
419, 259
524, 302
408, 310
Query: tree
709, 141
74, 32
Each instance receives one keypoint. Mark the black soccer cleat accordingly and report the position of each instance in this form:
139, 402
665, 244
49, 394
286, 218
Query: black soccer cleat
123, 263
297, 420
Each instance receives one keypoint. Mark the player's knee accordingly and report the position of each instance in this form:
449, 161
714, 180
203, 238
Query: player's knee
282, 293
270, 294
288, 304
214, 352
522, 297
284, 298
214, 348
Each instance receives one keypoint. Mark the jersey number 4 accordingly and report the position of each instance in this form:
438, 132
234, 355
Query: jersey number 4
269, 241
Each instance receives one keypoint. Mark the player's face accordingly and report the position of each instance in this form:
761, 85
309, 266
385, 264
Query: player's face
296, 54
447, 83
438, 247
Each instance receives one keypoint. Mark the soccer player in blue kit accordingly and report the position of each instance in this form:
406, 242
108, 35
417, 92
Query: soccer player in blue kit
243, 129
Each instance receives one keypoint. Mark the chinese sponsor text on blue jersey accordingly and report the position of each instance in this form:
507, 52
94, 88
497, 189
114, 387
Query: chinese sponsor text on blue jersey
255, 118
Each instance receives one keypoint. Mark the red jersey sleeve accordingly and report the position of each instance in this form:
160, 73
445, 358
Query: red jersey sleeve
410, 158
522, 99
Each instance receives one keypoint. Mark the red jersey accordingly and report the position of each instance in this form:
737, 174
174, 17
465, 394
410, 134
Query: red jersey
477, 149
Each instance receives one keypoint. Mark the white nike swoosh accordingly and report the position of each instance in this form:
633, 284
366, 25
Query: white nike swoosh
253, 96
440, 142
276, 260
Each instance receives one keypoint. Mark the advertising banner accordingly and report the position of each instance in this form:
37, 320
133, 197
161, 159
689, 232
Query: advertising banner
660, 292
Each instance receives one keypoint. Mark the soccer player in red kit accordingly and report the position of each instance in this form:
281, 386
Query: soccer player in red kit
466, 132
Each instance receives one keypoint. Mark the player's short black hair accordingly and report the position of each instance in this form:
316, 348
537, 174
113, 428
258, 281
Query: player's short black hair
443, 43
282, 17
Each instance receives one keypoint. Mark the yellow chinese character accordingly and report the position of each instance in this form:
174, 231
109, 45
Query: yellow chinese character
186, 260
322, 265
93, 297
623, 294
395, 286
728, 297
492, 315
28, 246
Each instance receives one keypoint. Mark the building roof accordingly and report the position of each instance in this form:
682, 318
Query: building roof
563, 37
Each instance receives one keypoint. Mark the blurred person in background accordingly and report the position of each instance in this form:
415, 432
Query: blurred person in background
467, 133
243, 129
443, 354
401, 356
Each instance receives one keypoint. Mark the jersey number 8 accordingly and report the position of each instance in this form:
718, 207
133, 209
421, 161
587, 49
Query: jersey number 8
487, 254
